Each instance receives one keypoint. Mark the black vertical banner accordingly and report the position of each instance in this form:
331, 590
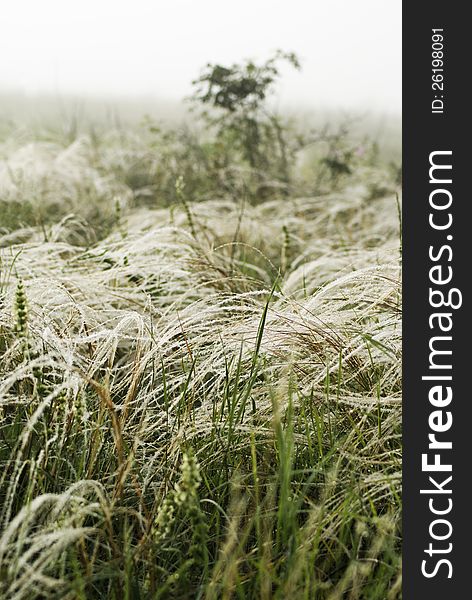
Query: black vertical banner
437, 242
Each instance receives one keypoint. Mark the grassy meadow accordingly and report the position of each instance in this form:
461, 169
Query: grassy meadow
200, 380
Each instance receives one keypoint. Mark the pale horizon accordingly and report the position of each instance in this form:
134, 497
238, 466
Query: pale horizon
122, 50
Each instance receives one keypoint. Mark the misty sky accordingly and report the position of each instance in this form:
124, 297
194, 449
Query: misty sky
350, 49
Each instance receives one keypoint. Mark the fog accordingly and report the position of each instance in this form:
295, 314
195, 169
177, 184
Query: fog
350, 49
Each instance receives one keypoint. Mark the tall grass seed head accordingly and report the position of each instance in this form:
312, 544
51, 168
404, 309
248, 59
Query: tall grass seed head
21, 310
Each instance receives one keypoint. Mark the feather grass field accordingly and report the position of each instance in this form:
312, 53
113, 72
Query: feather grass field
200, 388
